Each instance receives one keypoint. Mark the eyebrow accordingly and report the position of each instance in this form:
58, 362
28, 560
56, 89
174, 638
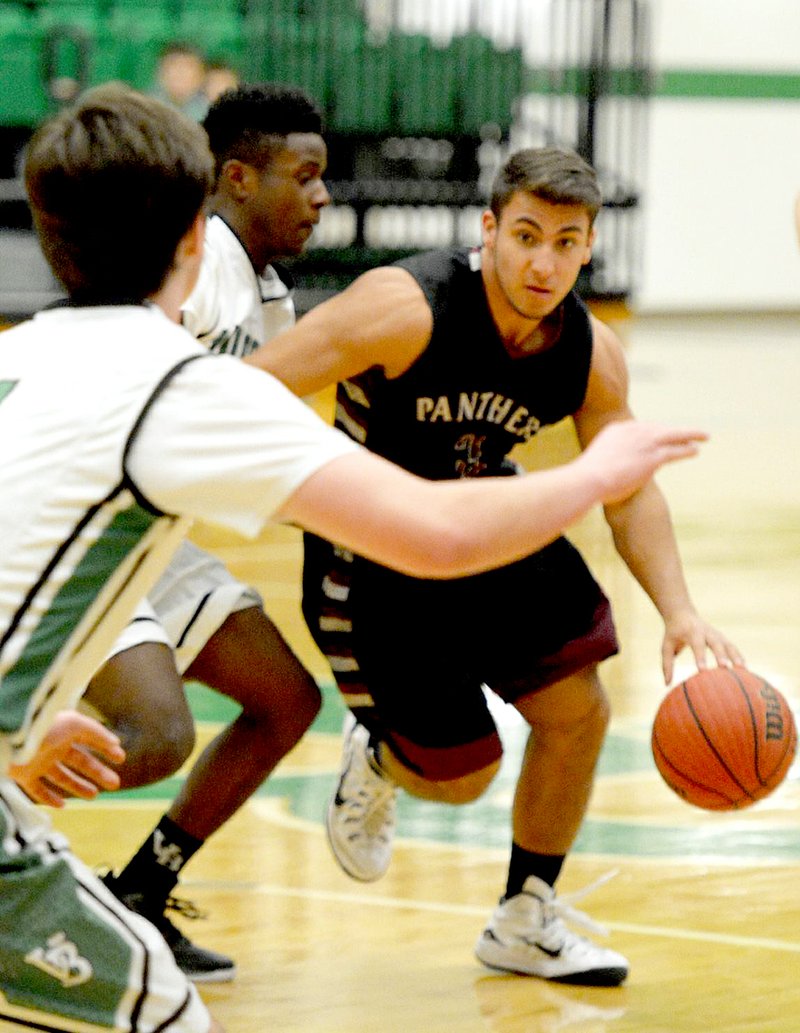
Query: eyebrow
535, 225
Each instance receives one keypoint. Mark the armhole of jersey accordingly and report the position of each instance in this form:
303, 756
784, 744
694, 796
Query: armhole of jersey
584, 310
127, 480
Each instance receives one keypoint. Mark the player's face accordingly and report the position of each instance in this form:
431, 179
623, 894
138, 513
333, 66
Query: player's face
291, 195
534, 253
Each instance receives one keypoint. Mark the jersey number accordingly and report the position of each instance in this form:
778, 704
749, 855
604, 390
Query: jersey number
472, 445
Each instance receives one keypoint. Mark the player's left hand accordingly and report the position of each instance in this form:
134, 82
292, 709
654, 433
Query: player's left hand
72, 760
688, 629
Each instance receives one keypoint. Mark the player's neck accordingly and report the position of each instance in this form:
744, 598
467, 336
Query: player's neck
234, 218
521, 334
169, 300
179, 283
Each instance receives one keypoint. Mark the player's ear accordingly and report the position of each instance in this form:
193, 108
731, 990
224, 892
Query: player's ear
488, 227
241, 179
589, 245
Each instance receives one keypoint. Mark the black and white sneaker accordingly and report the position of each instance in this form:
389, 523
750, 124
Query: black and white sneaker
527, 935
197, 963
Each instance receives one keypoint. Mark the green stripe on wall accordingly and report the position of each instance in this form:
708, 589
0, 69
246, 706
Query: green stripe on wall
676, 82
727, 85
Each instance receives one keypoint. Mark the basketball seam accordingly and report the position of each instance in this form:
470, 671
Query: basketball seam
690, 781
754, 722
711, 745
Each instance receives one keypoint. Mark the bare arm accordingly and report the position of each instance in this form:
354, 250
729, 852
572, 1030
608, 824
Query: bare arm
453, 528
641, 525
382, 319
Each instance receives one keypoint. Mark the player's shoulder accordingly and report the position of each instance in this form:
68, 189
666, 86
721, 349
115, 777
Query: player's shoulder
153, 338
441, 264
604, 337
109, 345
219, 235
385, 285
225, 259
419, 282
609, 364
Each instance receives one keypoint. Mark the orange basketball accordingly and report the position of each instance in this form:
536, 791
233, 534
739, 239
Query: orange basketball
723, 738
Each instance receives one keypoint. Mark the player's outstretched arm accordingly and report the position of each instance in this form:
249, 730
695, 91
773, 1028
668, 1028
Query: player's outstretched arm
453, 528
382, 319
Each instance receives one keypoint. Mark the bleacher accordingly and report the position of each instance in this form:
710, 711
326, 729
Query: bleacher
416, 120
364, 84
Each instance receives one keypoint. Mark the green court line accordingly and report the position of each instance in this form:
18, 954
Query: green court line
485, 823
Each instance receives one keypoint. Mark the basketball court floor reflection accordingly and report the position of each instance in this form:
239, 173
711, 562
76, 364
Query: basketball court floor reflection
705, 905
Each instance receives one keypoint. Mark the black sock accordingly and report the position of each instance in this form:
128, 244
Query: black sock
523, 863
153, 869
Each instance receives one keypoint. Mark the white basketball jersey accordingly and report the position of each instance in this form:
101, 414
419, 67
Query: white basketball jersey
103, 417
77, 544
234, 310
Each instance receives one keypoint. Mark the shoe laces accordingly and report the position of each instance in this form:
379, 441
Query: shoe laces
561, 908
185, 908
371, 797
380, 809
181, 906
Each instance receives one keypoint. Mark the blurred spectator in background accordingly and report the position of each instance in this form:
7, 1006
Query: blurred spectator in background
220, 76
180, 78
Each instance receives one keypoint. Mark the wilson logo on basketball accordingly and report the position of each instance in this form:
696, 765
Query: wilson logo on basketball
773, 714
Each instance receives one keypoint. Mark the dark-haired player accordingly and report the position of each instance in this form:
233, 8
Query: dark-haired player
445, 362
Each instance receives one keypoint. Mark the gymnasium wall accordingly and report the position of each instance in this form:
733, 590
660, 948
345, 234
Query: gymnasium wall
723, 161
720, 149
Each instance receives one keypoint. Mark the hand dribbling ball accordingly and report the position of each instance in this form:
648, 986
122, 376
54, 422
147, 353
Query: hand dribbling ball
723, 738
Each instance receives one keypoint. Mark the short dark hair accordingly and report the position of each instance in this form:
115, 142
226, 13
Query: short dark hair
554, 174
114, 182
243, 122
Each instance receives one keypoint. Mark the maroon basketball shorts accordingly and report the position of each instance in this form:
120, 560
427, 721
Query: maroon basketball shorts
411, 656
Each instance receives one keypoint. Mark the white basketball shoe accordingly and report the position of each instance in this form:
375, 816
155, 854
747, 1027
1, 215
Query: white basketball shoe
527, 934
360, 820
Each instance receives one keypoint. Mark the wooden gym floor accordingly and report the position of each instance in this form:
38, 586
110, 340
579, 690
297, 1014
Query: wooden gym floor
706, 906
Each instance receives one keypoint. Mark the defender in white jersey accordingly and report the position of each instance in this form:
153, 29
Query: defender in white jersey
232, 311
270, 157
105, 410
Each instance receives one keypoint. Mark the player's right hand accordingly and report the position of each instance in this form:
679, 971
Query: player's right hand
72, 760
626, 453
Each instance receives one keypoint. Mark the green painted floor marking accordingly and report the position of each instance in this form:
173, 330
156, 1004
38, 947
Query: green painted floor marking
485, 823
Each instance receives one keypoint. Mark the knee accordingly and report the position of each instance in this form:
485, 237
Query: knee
288, 706
467, 789
464, 789
581, 728
154, 749
598, 715
302, 704
139, 694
